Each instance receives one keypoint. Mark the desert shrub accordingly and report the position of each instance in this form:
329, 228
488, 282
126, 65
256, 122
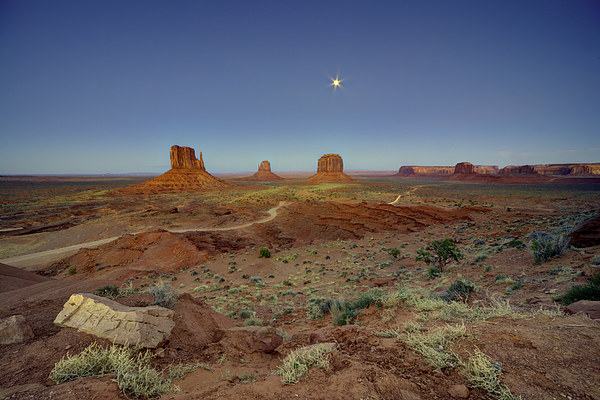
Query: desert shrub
434, 345
264, 252
342, 311
131, 368
433, 272
589, 291
253, 321
547, 247
460, 289
245, 313
516, 243
394, 252
109, 291
72, 270
595, 260
299, 361
255, 279
482, 373
442, 252
164, 295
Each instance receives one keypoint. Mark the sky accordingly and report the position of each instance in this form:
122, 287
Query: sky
109, 86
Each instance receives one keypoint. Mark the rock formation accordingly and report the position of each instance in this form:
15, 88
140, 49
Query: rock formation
486, 169
330, 169
187, 173
518, 170
15, 329
410, 170
592, 169
464, 168
264, 173
107, 319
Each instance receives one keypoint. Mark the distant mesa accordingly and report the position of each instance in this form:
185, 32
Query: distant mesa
464, 168
518, 170
411, 170
187, 173
264, 173
588, 169
330, 169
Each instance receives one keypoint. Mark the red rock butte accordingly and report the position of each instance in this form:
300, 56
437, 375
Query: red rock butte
264, 173
330, 169
464, 168
187, 173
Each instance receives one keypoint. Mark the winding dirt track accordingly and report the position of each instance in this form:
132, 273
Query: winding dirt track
42, 257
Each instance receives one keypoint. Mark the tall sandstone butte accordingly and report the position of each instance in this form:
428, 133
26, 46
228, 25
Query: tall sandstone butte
330, 168
264, 173
464, 168
187, 173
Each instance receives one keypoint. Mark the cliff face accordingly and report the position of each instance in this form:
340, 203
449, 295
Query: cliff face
185, 158
568, 169
518, 170
409, 170
187, 173
330, 168
464, 168
330, 163
264, 166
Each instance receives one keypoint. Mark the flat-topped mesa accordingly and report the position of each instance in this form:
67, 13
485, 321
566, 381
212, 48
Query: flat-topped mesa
410, 170
187, 173
582, 169
518, 170
330, 163
264, 173
464, 168
185, 158
330, 168
264, 166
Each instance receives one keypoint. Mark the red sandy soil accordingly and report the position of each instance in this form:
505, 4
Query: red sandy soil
340, 249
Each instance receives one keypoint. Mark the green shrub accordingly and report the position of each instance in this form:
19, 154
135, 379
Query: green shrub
253, 321
589, 291
595, 260
394, 252
460, 289
546, 247
433, 272
164, 295
264, 252
441, 253
72, 270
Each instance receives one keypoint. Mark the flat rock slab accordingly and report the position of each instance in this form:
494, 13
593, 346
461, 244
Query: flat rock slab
15, 329
107, 319
587, 307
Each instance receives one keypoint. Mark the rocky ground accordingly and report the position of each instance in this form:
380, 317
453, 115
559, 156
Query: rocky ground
328, 242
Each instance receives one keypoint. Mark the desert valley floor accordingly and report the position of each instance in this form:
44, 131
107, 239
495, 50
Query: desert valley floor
342, 271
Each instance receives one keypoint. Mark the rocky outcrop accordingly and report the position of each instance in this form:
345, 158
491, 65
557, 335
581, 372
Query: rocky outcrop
15, 329
413, 170
582, 169
518, 170
464, 168
486, 169
107, 319
330, 168
587, 307
264, 173
187, 173
263, 339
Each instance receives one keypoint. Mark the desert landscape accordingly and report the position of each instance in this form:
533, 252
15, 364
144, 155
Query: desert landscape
319, 287
275, 200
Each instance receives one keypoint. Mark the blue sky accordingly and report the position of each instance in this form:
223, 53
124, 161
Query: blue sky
108, 86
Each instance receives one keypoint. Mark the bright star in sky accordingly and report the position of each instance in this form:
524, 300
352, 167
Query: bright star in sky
336, 82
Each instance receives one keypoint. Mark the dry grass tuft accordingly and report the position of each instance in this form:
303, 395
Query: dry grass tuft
298, 362
482, 373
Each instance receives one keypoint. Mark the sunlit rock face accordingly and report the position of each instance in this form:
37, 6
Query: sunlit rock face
464, 168
185, 158
330, 168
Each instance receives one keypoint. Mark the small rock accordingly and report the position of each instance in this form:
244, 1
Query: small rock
458, 392
15, 329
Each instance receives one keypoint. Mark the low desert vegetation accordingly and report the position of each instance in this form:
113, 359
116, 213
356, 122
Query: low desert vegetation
130, 367
164, 295
299, 361
483, 373
264, 252
545, 246
439, 254
589, 291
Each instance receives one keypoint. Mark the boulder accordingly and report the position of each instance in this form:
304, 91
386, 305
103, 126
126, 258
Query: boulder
251, 338
587, 307
464, 168
15, 329
107, 319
